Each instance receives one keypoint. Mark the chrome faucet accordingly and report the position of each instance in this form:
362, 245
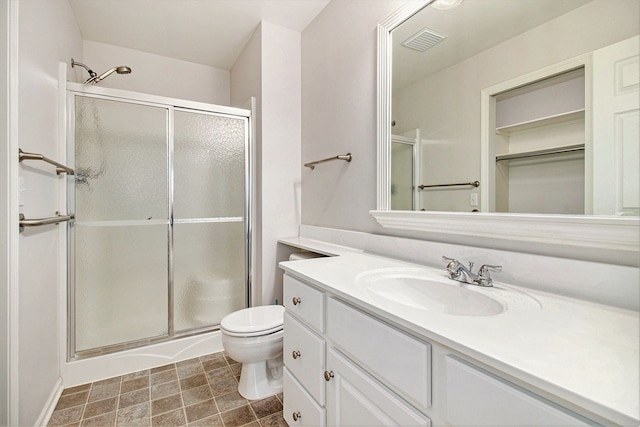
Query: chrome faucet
459, 272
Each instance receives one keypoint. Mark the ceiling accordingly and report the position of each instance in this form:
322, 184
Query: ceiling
207, 32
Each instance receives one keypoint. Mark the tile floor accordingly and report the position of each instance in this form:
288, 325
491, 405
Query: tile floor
195, 392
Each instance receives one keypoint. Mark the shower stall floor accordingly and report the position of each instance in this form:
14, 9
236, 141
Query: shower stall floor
196, 392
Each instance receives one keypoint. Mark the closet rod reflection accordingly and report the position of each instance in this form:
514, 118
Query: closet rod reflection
561, 150
461, 184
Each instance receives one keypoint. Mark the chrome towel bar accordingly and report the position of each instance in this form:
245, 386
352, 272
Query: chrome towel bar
312, 165
43, 221
461, 184
60, 168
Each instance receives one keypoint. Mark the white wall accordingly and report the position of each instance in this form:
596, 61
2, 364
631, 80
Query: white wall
339, 113
246, 81
281, 132
5, 211
56, 39
155, 74
269, 70
450, 124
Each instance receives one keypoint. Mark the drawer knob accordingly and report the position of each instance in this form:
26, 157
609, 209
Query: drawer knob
297, 416
296, 300
295, 354
328, 375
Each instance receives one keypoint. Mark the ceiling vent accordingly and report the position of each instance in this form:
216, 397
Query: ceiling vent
423, 40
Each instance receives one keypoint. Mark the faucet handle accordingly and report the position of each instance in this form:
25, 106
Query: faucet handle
452, 267
484, 278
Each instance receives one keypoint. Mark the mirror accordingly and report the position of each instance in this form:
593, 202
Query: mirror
492, 108
598, 237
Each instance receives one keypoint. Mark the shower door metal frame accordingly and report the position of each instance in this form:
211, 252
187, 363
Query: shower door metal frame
170, 105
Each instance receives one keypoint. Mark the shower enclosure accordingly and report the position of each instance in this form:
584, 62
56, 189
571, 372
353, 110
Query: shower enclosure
160, 244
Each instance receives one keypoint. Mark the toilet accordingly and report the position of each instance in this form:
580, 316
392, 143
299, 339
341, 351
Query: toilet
253, 337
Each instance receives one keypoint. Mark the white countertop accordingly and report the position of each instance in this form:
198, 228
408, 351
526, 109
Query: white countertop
582, 352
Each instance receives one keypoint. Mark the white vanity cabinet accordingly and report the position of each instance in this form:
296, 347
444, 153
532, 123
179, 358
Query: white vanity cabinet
342, 369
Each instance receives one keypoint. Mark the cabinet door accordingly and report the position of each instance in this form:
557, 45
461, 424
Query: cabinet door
356, 399
478, 398
396, 359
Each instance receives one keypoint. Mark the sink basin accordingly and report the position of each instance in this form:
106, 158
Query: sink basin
425, 290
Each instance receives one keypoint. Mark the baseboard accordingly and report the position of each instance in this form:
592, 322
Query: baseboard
43, 419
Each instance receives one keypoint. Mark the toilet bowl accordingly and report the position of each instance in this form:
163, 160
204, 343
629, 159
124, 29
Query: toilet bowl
253, 337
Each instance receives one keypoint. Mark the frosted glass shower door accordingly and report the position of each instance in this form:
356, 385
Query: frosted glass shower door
210, 260
120, 237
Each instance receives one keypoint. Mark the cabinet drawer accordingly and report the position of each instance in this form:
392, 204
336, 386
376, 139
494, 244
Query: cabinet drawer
305, 302
298, 401
308, 364
479, 398
395, 358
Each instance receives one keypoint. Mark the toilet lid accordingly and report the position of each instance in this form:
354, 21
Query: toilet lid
254, 319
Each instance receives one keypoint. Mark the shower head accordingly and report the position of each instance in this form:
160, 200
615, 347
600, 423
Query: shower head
120, 70
94, 78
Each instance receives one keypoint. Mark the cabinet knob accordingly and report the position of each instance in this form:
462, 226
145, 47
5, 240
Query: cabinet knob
328, 375
297, 416
295, 354
296, 300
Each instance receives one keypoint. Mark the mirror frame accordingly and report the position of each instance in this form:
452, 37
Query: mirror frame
607, 239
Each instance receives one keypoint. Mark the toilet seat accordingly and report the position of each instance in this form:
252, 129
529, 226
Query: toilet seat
254, 321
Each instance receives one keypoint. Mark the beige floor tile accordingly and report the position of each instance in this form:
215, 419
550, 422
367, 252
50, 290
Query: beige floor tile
74, 399
170, 419
165, 404
100, 407
230, 401
266, 407
164, 389
134, 397
201, 410
238, 416
197, 394
134, 384
137, 415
